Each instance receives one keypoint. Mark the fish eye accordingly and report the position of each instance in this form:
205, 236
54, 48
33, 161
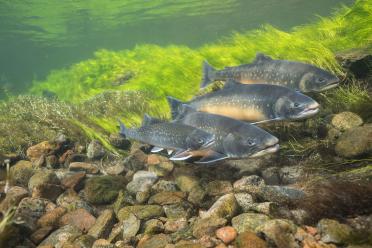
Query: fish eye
200, 141
321, 80
250, 142
296, 105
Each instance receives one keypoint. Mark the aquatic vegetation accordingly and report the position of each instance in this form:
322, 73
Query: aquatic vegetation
336, 197
176, 70
5, 223
353, 96
26, 120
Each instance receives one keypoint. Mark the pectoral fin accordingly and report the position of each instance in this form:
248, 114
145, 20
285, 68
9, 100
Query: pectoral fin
156, 149
182, 155
211, 157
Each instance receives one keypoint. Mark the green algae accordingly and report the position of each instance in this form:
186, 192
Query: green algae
353, 97
176, 70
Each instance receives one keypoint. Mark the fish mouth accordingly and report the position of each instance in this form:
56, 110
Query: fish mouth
268, 150
331, 85
309, 111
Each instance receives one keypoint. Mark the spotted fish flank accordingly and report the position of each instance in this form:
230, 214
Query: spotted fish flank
264, 69
172, 136
233, 139
253, 103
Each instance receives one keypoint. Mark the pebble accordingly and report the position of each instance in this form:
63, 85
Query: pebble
164, 185
332, 231
225, 207
21, 172
35, 152
355, 142
248, 221
83, 166
227, 234
51, 218
103, 224
43, 177
142, 181
281, 232
143, 212
136, 161
249, 239
346, 120
165, 198
74, 181
248, 184
62, 235
95, 150
207, 226
218, 188
79, 218
244, 200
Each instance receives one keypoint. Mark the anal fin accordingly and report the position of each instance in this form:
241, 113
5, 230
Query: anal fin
211, 157
181, 155
156, 149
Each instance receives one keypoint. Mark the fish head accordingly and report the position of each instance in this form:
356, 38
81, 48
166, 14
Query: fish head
199, 139
249, 141
294, 106
316, 80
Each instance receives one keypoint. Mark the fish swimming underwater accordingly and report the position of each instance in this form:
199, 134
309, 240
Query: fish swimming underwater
172, 136
294, 75
252, 103
233, 139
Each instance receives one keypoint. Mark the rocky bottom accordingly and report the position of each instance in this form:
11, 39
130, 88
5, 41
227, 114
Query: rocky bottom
63, 195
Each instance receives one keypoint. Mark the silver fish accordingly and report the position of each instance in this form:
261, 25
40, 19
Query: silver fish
264, 69
234, 139
172, 136
253, 103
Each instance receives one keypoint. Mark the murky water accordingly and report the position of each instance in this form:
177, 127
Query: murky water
37, 36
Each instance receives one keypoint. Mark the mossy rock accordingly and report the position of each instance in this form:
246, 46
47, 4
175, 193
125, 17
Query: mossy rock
103, 189
249, 239
43, 177
21, 173
142, 212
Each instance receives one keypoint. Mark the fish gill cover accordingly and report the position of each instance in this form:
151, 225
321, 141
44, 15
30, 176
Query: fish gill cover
129, 83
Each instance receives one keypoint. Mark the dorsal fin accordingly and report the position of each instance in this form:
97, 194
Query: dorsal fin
148, 120
184, 111
230, 83
175, 106
260, 57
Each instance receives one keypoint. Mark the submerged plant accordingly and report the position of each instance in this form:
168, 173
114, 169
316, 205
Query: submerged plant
176, 70
353, 96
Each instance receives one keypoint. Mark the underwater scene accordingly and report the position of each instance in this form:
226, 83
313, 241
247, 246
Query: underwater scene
158, 123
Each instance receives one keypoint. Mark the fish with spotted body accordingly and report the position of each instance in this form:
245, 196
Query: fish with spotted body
172, 136
234, 139
295, 75
253, 103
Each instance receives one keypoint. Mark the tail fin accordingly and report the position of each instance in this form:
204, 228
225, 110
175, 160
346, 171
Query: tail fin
208, 74
123, 129
175, 106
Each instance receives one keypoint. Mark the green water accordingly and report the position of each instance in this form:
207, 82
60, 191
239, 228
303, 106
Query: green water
37, 36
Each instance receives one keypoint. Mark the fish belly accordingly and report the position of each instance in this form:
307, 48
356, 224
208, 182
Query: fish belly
244, 114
